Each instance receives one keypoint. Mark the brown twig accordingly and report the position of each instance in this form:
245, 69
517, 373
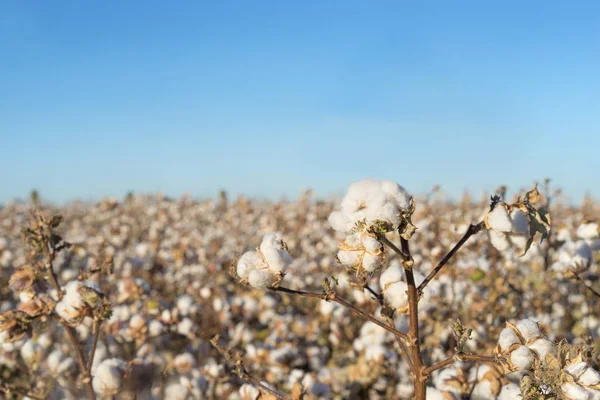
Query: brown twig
459, 357
591, 289
96, 334
387, 242
240, 370
332, 296
473, 229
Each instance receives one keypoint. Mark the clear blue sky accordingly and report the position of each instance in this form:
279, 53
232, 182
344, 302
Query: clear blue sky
269, 97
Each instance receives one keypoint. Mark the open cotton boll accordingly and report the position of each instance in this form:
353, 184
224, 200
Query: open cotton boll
349, 258
541, 347
261, 279
396, 295
522, 358
483, 390
392, 274
520, 222
499, 220
510, 392
176, 391
590, 377
248, 262
274, 252
572, 391
499, 240
108, 378
249, 392
588, 230
528, 328
371, 262
185, 303
435, 394
371, 245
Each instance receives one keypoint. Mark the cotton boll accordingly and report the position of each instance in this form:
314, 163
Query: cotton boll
510, 392
499, 240
588, 230
522, 358
261, 279
186, 327
528, 328
541, 347
396, 295
176, 391
520, 222
155, 328
371, 245
274, 252
184, 304
507, 338
392, 274
337, 221
108, 378
374, 352
184, 363
349, 258
248, 262
499, 220
371, 263
590, 377
482, 390
249, 392
435, 394
572, 391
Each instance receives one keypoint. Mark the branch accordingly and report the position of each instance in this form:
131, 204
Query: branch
586, 285
240, 370
387, 242
332, 296
96, 334
473, 229
459, 357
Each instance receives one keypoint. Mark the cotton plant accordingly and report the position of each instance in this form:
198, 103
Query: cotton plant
266, 266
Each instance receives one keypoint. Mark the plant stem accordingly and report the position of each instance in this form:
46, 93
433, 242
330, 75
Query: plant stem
72, 333
96, 334
420, 379
586, 285
332, 296
473, 229
459, 357
392, 246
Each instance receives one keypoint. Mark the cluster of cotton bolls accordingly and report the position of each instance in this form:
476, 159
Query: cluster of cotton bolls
170, 290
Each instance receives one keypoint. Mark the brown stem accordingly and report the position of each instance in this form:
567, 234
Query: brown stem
459, 357
331, 296
72, 333
586, 285
392, 246
240, 370
473, 229
420, 379
96, 334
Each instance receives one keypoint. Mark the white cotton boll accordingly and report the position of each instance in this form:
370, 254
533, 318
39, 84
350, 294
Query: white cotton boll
396, 295
176, 391
583, 253
372, 245
337, 221
261, 279
326, 307
185, 303
165, 316
563, 235
435, 394
108, 378
499, 220
248, 262
371, 263
28, 350
275, 255
528, 328
576, 369
349, 258
522, 358
542, 347
442, 377
482, 391
520, 222
186, 327
507, 338
590, 377
510, 392
588, 230
392, 274
155, 328
354, 241
499, 240
520, 241
374, 352
205, 292
184, 363
573, 391
249, 392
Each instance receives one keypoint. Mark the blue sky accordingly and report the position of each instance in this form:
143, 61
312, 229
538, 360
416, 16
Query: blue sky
266, 98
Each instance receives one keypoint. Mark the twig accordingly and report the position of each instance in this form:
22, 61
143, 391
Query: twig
240, 370
591, 289
473, 229
72, 333
332, 296
459, 357
392, 246
96, 334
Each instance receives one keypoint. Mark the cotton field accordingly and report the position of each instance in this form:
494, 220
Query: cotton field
378, 294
